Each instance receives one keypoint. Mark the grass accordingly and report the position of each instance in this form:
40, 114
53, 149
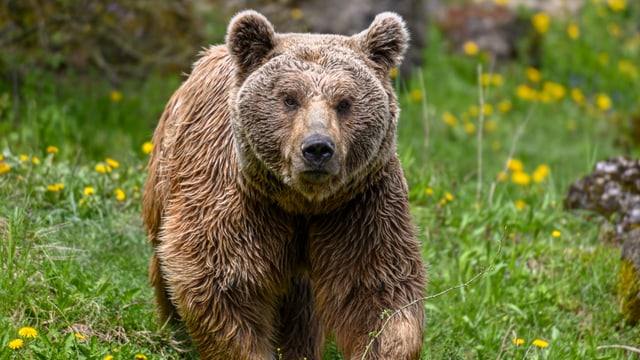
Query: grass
73, 257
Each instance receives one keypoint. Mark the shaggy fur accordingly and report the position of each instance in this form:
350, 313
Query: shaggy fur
275, 201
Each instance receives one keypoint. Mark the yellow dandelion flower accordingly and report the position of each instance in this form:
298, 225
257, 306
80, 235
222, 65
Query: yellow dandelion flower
89, 190
534, 75
428, 191
526, 92
416, 95
474, 111
577, 96
393, 73
554, 90
469, 128
501, 2
617, 5
487, 109
491, 79
515, 165
615, 30
4, 168
521, 178
147, 147
504, 106
108, 357
16, 344
442, 202
573, 31
556, 233
79, 336
140, 357
540, 343
540, 173
520, 205
470, 48
112, 163
120, 195
296, 14
52, 149
35, 160
448, 196
628, 68
55, 187
1, 157
102, 168
115, 96
541, 22
603, 102
502, 176
24, 157
490, 125
517, 341
450, 119
28, 332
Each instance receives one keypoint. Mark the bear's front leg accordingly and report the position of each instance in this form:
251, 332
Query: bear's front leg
365, 261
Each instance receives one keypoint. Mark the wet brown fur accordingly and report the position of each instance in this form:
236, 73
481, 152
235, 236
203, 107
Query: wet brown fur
252, 254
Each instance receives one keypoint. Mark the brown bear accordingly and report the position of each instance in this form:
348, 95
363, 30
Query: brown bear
275, 200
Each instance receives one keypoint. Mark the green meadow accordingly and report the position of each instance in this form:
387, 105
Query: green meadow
488, 149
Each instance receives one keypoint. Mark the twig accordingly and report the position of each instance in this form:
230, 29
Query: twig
376, 334
516, 138
504, 340
480, 133
624, 347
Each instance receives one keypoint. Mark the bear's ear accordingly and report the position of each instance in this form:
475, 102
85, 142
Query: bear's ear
250, 37
385, 41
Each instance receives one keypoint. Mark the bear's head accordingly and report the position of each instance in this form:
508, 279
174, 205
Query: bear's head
313, 112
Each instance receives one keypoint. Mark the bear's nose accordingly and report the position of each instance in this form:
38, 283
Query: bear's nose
317, 149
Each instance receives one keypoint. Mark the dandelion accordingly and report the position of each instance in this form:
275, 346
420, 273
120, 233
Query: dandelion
554, 90
540, 343
487, 109
4, 168
89, 190
108, 357
615, 30
491, 79
296, 14
521, 178
501, 2
534, 75
52, 149
428, 191
525, 92
450, 119
490, 125
617, 5
102, 168
448, 196
416, 95
573, 31
24, 157
115, 96
520, 205
541, 22
628, 68
112, 163
505, 106
502, 176
147, 147
120, 195
55, 187
140, 357
577, 96
517, 341
393, 73
28, 332
556, 233
469, 128
540, 173
470, 48
514, 165
16, 344
79, 336
603, 102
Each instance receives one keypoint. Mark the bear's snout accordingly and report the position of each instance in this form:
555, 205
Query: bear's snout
317, 150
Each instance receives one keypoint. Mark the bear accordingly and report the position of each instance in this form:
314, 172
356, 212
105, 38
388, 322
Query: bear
275, 201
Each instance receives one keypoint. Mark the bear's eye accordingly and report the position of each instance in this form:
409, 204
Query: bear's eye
344, 106
290, 102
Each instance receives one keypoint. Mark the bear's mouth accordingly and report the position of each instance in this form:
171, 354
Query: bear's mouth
315, 176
